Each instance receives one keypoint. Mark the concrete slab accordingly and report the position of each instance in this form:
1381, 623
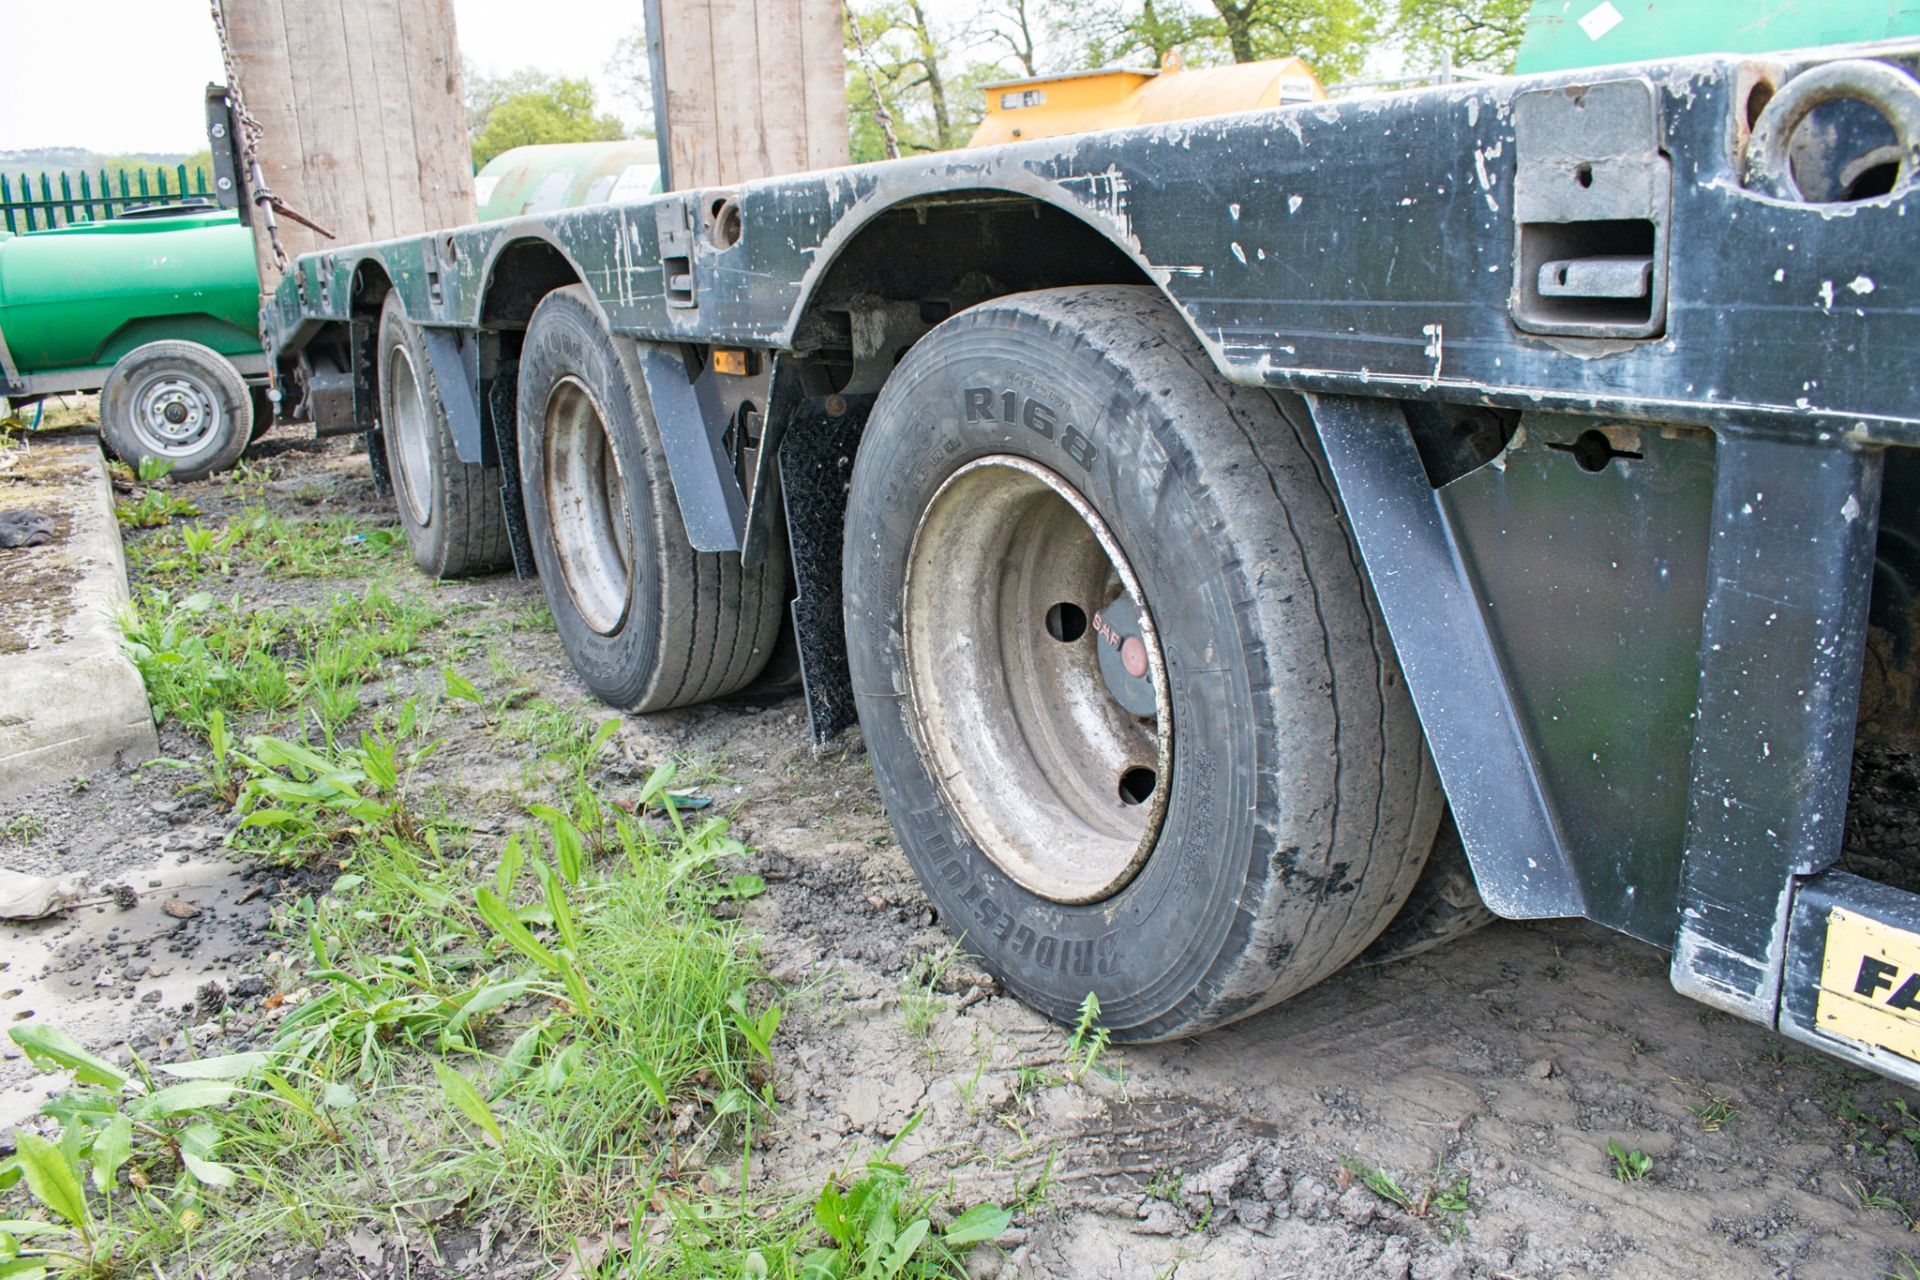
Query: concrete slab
70, 701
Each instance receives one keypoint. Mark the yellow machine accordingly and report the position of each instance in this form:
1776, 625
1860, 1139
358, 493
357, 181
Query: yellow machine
1082, 101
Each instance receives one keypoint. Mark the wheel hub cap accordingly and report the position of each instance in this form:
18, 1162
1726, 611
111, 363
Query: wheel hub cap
1036, 680
407, 420
173, 413
587, 500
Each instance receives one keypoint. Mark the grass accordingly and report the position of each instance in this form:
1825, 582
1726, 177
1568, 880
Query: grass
1445, 1200
557, 1024
1629, 1165
199, 654
267, 542
920, 1000
1716, 1113
156, 504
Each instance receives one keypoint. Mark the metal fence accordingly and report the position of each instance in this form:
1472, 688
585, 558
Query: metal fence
61, 201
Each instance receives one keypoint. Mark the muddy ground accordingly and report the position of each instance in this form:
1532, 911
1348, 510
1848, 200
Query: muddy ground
1511, 1057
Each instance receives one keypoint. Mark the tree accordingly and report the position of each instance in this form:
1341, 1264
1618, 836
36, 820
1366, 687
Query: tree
897, 70
632, 66
531, 107
1332, 35
1480, 34
1107, 35
1015, 25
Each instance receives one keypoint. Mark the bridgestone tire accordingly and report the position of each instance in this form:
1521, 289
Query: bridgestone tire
1302, 802
198, 383
684, 626
449, 509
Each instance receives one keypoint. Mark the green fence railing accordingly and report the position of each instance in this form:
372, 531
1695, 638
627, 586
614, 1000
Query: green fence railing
61, 201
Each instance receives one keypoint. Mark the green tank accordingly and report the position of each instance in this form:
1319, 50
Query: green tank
158, 311
74, 300
565, 175
1563, 35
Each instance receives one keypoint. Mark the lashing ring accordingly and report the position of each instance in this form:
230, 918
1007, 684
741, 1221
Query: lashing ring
1885, 88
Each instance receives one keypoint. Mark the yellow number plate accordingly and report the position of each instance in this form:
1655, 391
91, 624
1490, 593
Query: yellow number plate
1870, 983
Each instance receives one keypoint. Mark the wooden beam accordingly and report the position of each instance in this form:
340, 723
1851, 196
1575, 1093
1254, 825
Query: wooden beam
750, 88
362, 114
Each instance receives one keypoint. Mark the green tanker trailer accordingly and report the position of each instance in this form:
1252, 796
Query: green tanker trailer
157, 310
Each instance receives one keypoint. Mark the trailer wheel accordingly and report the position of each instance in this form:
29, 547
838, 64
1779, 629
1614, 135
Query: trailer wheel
1445, 905
1133, 712
177, 402
647, 621
450, 509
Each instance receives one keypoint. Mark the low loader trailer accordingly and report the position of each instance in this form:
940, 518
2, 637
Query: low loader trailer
1205, 521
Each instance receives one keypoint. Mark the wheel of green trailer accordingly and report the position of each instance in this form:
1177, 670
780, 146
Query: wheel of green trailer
449, 509
647, 621
1133, 712
179, 403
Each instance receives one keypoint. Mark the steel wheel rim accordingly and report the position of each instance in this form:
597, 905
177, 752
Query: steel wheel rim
587, 500
1028, 741
175, 412
407, 420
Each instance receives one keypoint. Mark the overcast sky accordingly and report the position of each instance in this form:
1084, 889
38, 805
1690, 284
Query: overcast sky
126, 75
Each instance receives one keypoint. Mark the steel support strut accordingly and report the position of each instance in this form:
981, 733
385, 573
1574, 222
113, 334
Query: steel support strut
1789, 573
1452, 666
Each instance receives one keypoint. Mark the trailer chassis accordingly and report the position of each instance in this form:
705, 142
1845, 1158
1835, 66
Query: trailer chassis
1622, 419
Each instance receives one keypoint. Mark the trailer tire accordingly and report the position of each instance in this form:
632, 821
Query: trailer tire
648, 622
178, 402
1301, 803
1445, 905
449, 509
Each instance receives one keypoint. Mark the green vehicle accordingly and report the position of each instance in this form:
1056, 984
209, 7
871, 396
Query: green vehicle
157, 310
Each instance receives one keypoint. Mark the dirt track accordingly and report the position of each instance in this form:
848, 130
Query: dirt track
1511, 1057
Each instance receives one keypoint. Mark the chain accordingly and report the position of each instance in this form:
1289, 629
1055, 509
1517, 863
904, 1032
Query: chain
250, 134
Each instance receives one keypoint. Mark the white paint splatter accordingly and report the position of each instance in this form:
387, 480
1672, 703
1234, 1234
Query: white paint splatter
1486, 179
1862, 285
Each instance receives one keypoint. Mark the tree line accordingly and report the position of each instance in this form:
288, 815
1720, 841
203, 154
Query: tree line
915, 69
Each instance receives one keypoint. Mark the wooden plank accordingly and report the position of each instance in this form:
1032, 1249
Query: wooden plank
753, 88
386, 64
323, 107
256, 36
739, 134
439, 126
375, 199
781, 87
359, 102
823, 66
687, 43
